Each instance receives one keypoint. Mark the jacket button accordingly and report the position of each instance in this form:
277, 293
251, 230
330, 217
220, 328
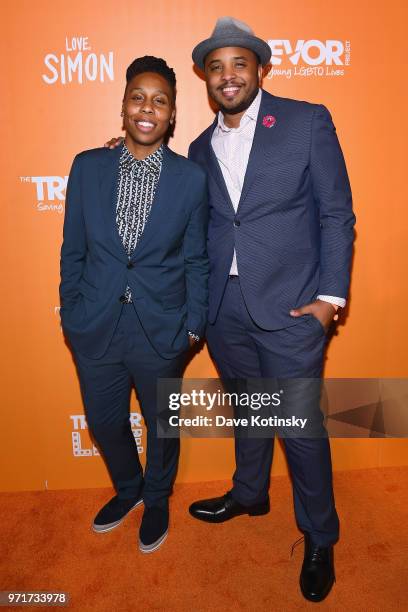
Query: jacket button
122, 299
130, 265
237, 223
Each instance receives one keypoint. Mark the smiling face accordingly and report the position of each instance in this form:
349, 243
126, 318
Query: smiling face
233, 76
148, 109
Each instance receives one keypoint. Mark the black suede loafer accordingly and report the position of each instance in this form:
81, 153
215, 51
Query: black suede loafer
113, 513
154, 529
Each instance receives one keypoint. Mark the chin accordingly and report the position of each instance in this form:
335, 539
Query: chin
234, 107
230, 104
234, 103
141, 140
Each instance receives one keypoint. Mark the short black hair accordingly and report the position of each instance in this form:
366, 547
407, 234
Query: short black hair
149, 63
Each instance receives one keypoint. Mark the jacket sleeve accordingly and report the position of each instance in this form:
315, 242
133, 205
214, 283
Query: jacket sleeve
74, 246
197, 264
332, 194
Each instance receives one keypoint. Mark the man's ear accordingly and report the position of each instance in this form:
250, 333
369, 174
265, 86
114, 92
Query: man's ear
260, 74
172, 116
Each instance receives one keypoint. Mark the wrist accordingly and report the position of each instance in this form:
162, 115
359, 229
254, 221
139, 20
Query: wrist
194, 336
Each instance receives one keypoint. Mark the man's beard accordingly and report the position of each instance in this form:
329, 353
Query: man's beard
242, 106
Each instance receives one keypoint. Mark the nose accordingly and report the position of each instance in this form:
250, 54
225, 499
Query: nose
228, 73
147, 107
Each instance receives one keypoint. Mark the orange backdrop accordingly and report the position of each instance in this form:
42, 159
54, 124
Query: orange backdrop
62, 67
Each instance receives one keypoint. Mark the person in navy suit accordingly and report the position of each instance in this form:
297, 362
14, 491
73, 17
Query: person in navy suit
134, 295
280, 243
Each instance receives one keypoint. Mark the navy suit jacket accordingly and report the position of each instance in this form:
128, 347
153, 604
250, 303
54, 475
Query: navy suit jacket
293, 230
167, 272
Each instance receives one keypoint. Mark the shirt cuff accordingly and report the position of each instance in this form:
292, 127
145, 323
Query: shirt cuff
337, 301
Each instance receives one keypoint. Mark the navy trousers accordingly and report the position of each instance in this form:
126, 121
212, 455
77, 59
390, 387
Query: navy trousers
106, 384
243, 350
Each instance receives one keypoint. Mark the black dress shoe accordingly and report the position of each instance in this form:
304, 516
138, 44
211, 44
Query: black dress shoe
317, 575
220, 509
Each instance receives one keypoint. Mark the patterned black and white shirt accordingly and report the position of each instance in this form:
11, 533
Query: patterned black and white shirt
137, 186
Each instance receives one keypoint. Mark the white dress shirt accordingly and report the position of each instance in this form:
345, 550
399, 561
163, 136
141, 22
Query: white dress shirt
232, 147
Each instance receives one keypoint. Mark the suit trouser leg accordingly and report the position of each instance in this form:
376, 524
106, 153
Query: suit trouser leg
292, 353
236, 356
162, 454
106, 385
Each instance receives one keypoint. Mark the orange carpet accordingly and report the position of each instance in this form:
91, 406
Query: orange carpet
245, 564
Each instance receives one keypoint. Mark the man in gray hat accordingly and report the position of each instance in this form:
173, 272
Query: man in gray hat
280, 244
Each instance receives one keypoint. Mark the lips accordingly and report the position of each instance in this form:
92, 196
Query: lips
230, 91
145, 126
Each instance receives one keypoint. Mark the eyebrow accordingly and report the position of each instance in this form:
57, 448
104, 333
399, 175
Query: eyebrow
160, 91
238, 57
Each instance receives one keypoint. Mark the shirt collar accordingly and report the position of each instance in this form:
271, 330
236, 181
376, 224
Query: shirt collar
250, 113
151, 164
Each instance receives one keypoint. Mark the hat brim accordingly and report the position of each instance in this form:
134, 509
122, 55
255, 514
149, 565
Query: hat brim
247, 41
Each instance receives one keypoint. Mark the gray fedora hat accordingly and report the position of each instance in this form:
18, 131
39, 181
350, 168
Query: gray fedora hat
230, 32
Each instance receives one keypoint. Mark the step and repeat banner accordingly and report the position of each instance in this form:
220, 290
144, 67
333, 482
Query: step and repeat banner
63, 73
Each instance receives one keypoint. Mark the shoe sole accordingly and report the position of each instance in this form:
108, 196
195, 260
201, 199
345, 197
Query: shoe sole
152, 547
110, 526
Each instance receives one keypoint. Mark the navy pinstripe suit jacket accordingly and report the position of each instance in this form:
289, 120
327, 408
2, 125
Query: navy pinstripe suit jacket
293, 230
167, 272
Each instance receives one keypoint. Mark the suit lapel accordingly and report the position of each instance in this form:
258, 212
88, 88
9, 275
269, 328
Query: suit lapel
166, 192
264, 138
213, 165
108, 177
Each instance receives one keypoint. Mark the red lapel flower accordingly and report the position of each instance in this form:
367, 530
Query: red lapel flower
269, 121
